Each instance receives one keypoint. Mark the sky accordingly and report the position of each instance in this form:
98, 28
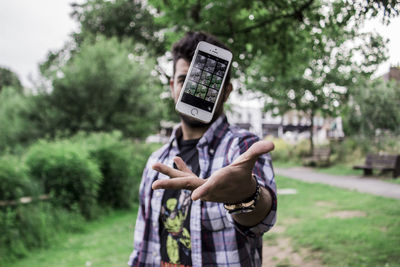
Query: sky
30, 29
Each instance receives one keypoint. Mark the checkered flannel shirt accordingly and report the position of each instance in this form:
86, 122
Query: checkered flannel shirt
216, 239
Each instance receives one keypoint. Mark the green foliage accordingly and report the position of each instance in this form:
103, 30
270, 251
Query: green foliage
106, 86
9, 78
25, 227
287, 152
14, 181
373, 109
295, 52
113, 157
104, 242
67, 173
121, 164
345, 153
79, 174
16, 126
121, 19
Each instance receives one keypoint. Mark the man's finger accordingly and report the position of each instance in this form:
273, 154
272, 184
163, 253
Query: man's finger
182, 165
189, 182
200, 192
171, 172
256, 150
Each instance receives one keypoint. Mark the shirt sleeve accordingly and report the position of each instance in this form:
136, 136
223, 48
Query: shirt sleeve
264, 173
140, 220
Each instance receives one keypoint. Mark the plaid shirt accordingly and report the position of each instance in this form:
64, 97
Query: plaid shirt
216, 239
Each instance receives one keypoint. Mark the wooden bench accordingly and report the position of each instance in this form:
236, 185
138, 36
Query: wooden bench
383, 163
320, 157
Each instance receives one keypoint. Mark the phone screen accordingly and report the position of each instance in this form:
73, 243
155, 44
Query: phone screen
205, 81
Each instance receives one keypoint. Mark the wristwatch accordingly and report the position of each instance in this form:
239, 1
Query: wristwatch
245, 206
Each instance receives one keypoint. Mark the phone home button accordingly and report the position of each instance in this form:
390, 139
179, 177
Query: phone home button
194, 111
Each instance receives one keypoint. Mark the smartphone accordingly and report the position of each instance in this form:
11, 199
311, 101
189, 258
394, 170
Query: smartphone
204, 82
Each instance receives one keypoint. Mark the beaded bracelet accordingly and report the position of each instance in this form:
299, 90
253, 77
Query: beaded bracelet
245, 206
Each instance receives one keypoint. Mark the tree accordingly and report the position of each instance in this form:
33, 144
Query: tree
281, 47
9, 78
105, 86
373, 108
295, 52
323, 77
121, 19
16, 124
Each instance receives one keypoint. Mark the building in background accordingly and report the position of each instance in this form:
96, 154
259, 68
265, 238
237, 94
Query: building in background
293, 126
393, 74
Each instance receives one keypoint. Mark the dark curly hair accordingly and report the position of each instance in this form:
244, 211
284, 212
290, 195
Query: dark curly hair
186, 46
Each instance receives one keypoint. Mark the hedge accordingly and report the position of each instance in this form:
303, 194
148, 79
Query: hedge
67, 174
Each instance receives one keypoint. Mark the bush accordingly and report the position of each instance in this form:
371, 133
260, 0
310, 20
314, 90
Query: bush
111, 87
113, 156
14, 181
140, 155
71, 171
67, 173
287, 152
121, 163
354, 149
34, 225
16, 127
26, 226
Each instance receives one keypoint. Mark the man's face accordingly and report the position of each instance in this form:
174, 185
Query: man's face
181, 69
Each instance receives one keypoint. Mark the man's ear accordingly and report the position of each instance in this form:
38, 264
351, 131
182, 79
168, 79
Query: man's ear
228, 91
171, 86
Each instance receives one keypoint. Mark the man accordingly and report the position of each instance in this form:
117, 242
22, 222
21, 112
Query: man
182, 219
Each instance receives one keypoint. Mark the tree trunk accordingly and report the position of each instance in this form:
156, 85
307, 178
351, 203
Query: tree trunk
312, 133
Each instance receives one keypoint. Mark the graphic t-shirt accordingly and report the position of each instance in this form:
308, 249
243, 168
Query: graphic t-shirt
175, 214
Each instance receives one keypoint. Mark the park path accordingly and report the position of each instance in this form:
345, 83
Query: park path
281, 252
361, 184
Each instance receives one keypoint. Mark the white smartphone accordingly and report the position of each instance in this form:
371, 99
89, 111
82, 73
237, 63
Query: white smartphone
204, 81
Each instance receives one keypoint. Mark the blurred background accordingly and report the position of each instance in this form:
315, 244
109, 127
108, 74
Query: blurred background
84, 100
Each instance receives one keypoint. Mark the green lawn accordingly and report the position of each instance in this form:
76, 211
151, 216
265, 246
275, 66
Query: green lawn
339, 170
105, 242
370, 240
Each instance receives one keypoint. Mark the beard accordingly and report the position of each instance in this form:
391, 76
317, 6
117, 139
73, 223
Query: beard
193, 123
196, 124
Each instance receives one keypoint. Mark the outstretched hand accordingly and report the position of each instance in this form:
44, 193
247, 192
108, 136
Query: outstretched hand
231, 184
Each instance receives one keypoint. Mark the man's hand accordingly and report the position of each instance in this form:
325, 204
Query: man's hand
231, 184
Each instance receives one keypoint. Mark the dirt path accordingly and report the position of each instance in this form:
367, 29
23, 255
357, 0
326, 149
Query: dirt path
279, 252
358, 183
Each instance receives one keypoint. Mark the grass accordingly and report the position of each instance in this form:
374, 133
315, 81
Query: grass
105, 242
371, 240
341, 169
395, 181
286, 164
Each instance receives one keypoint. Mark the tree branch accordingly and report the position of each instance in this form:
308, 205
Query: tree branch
297, 14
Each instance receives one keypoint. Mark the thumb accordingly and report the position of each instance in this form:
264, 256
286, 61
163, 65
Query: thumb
256, 150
